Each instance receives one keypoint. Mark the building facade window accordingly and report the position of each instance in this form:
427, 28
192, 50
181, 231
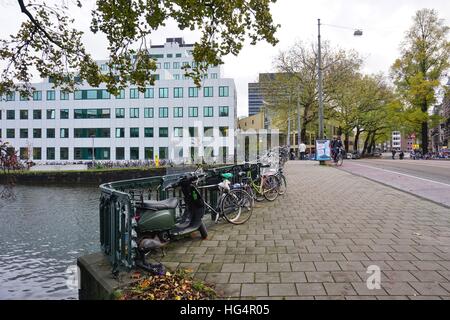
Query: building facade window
208, 112
149, 93
178, 112
176, 65
11, 96
164, 132
148, 153
148, 132
134, 153
64, 133
193, 112
223, 131
50, 95
50, 133
97, 94
92, 132
37, 133
23, 133
120, 153
64, 114
164, 92
23, 114
37, 114
63, 153
134, 93
134, 112
193, 132
163, 152
178, 132
178, 92
10, 114
120, 132
11, 133
37, 95
120, 113
51, 114
224, 91
121, 94
148, 113
208, 92
208, 132
37, 154
223, 111
92, 113
163, 112
51, 153
134, 132
193, 92
166, 65
63, 95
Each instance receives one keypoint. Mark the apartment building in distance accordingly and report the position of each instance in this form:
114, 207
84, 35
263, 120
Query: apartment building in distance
173, 119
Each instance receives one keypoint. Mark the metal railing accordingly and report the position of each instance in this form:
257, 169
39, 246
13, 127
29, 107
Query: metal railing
117, 210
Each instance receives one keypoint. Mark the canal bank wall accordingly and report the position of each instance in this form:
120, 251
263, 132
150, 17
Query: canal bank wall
85, 177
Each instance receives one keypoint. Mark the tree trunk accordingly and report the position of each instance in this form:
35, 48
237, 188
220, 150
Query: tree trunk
355, 146
346, 142
425, 137
366, 143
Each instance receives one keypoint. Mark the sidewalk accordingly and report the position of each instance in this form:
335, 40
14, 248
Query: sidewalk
317, 241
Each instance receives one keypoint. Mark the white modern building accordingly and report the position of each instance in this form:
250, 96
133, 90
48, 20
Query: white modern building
172, 120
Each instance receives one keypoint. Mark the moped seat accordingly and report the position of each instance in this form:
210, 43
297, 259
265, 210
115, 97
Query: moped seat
171, 203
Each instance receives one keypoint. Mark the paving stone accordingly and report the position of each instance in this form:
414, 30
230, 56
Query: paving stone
345, 276
310, 289
243, 258
279, 267
362, 289
284, 289
255, 267
339, 289
429, 288
327, 266
267, 277
242, 277
254, 290
232, 267
228, 290
293, 277
267, 258
217, 277
351, 266
282, 257
399, 276
303, 266
398, 288
310, 257
319, 277
428, 276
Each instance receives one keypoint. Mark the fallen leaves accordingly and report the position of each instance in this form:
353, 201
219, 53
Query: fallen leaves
177, 286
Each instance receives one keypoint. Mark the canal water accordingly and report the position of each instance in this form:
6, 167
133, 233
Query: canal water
42, 232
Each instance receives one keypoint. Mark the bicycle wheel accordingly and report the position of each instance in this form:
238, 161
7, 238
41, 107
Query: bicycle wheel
258, 195
271, 187
282, 184
340, 160
237, 206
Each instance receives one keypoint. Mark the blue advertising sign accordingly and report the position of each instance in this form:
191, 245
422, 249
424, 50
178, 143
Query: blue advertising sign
323, 150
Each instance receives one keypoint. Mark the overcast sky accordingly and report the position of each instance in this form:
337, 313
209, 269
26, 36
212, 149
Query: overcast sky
384, 23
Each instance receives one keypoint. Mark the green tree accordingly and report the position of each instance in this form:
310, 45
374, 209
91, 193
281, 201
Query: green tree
417, 73
48, 42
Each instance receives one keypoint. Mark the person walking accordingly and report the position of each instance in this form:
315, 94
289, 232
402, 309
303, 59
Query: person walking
393, 154
302, 149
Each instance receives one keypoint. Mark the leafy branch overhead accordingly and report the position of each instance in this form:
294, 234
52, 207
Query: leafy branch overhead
48, 42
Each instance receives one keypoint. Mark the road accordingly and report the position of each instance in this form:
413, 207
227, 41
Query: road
428, 179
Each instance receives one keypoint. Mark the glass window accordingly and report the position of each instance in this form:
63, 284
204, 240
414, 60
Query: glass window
50, 153
208, 91
193, 132
149, 93
10, 114
223, 91
186, 64
169, 55
166, 65
120, 153
176, 65
134, 93
23, 114
134, 132
193, 112
50, 95
178, 132
208, 132
10, 133
50, 133
37, 114
37, 154
91, 94
163, 92
148, 113
213, 75
208, 112
223, 111
178, 55
178, 92
37, 133
92, 132
37, 95
134, 153
178, 112
24, 97
64, 132
120, 113
134, 112
11, 96
51, 114
92, 113
193, 92
23, 153
121, 94
148, 153
23, 133
64, 95
148, 132
63, 153
64, 113
163, 112
223, 131
120, 132
164, 132
176, 77
163, 152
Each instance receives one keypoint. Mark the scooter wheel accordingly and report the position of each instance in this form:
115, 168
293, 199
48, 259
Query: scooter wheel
203, 231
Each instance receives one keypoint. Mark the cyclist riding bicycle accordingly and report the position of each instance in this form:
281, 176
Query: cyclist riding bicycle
336, 146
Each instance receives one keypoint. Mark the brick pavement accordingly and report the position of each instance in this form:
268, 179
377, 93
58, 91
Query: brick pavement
317, 241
